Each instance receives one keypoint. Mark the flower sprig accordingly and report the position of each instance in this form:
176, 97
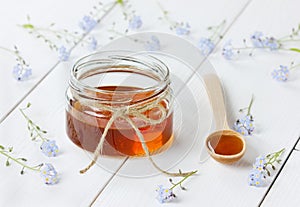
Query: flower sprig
244, 125
48, 147
262, 166
181, 28
282, 73
260, 41
58, 39
46, 170
166, 194
129, 15
63, 40
21, 71
207, 44
20, 160
150, 44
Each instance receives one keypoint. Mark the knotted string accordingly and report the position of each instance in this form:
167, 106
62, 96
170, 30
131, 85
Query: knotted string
125, 112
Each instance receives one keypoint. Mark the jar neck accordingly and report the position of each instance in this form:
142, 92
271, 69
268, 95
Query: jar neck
97, 65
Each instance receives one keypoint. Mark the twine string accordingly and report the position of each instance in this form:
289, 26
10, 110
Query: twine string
126, 112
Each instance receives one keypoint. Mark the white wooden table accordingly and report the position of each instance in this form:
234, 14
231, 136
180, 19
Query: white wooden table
276, 107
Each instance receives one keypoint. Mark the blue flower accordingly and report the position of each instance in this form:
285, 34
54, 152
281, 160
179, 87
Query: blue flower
260, 165
206, 46
21, 73
164, 194
182, 29
49, 148
93, 43
257, 39
135, 23
281, 74
244, 125
260, 161
153, 44
87, 23
257, 178
271, 43
63, 54
228, 52
49, 174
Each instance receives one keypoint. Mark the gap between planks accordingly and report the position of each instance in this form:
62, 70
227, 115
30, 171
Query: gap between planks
280, 170
107, 182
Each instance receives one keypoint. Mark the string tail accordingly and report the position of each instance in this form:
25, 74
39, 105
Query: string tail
99, 148
145, 148
88, 167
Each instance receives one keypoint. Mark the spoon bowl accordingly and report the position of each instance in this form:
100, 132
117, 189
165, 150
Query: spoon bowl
225, 146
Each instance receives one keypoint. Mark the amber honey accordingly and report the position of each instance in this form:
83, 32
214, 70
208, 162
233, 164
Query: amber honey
228, 145
85, 125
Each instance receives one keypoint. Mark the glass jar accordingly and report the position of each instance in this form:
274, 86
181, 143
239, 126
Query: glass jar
121, 93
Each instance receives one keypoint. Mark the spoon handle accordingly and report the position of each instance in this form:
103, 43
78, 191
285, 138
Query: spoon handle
215, 93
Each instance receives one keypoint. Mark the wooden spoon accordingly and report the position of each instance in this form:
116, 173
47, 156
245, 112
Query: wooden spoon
224, 145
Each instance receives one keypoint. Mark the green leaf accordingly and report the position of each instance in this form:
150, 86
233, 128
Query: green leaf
10, 149
28, 105
120, 2
7, 163
23, 159
295, 49
1, 147
28, 26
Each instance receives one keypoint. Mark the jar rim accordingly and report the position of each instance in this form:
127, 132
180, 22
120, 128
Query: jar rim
112, 57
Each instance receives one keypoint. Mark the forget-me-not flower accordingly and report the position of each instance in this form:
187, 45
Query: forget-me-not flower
135, 23
63, 54
281, 74
87, 23
49, 148
206, 46
49, 174
164, 194
21, 73
153, 44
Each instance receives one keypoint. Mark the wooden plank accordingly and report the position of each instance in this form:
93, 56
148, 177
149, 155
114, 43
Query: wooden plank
48, 108
285, 191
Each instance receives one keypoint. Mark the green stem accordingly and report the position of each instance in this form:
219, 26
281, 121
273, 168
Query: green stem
293, 49
250, 106
273, 157
33, 126
294, 66
14, 53
165, 15
19, 162
181, 181
217, 30
109, 5
125, 36
289, 40
61, 33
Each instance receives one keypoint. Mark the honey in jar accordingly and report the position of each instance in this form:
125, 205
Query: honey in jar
145, 92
